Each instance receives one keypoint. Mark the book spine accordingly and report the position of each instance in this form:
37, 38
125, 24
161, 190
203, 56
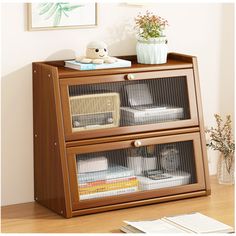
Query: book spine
95, 177
107, 187
109, 193
108, 181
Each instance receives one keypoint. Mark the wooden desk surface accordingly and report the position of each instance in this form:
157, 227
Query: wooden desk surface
33, 218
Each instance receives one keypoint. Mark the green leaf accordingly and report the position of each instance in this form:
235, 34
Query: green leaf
43, 4
52, 11
46, 8
57, 18
70, 8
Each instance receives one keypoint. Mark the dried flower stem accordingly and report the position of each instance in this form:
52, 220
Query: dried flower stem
221, 139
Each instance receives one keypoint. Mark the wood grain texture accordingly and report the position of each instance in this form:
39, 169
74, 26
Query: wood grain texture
54, 167
152, 195
33, 218
131, 136
201, 123
192, 121
172, 64
50, 170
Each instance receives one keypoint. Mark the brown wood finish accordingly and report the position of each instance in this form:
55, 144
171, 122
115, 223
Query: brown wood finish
50, 170
130, 143
136, 129
72, 169
201, 124
131, 136
172, 64
198, 186
138, 203
33, 218
70, 135
55, 146
180, 57
122, 77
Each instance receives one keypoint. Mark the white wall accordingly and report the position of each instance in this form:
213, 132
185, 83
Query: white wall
204, 30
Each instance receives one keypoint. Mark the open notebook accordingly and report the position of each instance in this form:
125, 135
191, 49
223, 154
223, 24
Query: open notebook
187, 223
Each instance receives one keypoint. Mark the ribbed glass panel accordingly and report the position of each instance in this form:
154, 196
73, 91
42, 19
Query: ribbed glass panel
116, 172
128, 103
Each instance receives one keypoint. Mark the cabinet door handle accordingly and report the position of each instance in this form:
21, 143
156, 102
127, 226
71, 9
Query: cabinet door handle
130, 76
137, 143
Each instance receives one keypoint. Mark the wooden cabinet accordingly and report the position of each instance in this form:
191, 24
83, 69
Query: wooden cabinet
115, 138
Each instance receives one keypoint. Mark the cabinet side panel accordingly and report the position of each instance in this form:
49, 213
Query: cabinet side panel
49, 185
201, 125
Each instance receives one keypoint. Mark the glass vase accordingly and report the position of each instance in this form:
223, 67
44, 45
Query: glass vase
225, 170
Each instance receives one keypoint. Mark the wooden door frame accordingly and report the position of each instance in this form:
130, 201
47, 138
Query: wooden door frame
71, 136
141, 195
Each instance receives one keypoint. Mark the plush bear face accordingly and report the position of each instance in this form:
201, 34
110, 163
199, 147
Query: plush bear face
96, 53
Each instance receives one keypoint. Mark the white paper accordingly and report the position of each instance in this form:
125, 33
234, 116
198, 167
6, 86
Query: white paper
199, 223
155, 226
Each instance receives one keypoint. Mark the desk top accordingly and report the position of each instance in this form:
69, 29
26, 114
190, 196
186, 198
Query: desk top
33, 218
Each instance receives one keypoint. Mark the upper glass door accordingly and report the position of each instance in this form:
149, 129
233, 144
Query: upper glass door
112, 105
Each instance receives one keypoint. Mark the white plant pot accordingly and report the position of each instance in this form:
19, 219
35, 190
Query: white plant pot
152, 51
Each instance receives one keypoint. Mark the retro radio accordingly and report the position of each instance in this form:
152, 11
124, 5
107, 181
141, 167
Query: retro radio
95, 111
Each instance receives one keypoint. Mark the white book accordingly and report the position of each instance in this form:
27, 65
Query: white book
90, 66
187, 223
92, 164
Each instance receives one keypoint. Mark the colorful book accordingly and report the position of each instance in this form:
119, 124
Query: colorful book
90, 66
109, 193
108, 187
107, 181
111, 173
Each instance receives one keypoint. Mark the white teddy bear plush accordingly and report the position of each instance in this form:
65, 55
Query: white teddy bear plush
97, 53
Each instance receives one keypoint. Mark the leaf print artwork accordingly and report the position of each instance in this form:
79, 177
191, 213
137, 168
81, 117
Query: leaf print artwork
61, 15
56, 11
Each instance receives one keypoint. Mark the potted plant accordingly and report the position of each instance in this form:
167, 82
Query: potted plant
151, 42
221, 139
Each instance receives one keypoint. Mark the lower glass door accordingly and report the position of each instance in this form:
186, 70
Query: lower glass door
148, 165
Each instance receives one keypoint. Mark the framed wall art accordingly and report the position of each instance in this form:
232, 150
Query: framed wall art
61, 15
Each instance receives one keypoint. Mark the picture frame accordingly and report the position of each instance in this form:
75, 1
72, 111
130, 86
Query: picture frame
58, 15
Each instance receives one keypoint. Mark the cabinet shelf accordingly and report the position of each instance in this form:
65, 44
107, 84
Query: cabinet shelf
103, 141
174, 61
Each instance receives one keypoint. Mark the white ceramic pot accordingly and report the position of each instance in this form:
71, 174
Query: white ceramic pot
152, 51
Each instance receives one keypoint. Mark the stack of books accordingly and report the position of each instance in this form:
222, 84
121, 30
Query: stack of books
113, 181
188, 223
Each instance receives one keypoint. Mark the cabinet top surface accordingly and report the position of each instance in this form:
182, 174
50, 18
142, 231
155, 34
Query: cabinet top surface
174, 61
